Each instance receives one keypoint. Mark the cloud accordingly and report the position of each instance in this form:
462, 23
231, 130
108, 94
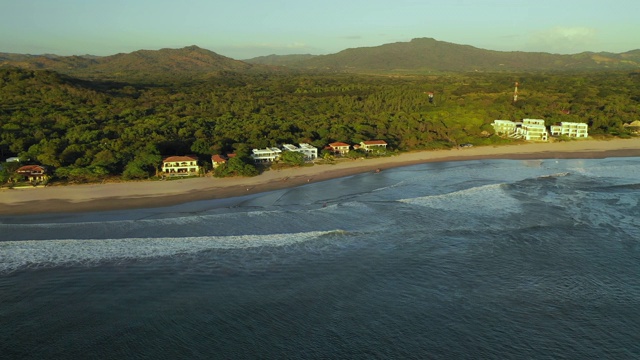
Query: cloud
564, 40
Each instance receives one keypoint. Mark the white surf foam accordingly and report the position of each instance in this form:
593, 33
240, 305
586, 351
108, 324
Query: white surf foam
557, 175
16, 255
488, 199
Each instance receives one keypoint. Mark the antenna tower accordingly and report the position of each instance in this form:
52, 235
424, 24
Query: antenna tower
515, 93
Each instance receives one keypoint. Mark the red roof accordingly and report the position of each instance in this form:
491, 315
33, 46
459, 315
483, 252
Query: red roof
375, 142
31, 169
217, 158
179, 159
338, 144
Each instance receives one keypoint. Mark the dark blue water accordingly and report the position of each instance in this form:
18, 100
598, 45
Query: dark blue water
496, 259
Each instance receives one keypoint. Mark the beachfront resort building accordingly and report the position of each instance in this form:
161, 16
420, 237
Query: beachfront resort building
504, 127
528, 129
180, 166
310, 153
266, 155
371, 145
339, 148
533, 129
571, 129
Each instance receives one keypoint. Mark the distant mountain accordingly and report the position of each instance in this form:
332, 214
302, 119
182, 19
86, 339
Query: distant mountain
189, 60
426, 54
416, 56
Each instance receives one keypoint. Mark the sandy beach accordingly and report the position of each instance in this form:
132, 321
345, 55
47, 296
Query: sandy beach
145, 194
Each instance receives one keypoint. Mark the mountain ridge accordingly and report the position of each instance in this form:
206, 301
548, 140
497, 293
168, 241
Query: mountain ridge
418, 55
434, 55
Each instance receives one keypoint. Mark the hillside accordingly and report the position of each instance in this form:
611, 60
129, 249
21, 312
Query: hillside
425, 54
422, 55
190, 60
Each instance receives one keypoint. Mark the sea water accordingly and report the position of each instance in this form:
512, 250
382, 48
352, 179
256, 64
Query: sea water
495, 259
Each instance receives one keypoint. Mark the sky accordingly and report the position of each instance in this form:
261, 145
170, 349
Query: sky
243, 29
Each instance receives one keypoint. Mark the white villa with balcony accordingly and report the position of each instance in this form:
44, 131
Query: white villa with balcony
310, 153
266, 155
371, 145
571, 129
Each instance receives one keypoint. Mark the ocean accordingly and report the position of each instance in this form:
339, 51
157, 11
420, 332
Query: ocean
491, 259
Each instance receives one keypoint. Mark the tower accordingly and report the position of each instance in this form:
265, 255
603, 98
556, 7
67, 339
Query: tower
515, 93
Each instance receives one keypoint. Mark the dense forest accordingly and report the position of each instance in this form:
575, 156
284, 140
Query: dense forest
89, 129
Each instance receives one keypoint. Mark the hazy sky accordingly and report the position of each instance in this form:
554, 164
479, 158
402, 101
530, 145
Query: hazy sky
243, 29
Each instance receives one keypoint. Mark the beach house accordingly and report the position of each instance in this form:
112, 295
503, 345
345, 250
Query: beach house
339, 148
266, 155
33, 173
180, 166
310, 153
371, 145
217, 160
571, 129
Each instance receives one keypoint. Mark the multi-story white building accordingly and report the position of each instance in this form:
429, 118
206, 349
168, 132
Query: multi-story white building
570, 129
266, 155
504, 127
533, 129
180, 166
309, 152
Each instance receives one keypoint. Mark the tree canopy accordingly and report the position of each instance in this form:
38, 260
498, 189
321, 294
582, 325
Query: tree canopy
90, 129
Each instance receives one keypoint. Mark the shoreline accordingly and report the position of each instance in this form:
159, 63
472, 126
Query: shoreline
152, 194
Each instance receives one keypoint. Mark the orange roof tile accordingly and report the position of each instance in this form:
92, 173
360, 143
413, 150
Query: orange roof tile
179, 158
218, 158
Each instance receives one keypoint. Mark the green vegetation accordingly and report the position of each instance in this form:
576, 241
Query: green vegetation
292, 158
88, 130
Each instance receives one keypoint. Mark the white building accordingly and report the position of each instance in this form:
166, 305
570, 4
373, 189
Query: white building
266, 155
309, 152
533, 129
504, 127
570, 129
371, 145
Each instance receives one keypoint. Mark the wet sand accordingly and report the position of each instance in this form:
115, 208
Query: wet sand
147, 194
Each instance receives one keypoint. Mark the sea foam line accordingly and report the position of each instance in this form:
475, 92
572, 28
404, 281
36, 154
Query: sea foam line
16, 255
472, 200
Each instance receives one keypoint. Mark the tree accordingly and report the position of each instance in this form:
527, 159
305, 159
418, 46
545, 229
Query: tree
235, 167
292, 158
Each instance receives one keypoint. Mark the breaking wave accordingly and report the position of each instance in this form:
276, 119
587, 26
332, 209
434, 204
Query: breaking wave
30, 254
473, 200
